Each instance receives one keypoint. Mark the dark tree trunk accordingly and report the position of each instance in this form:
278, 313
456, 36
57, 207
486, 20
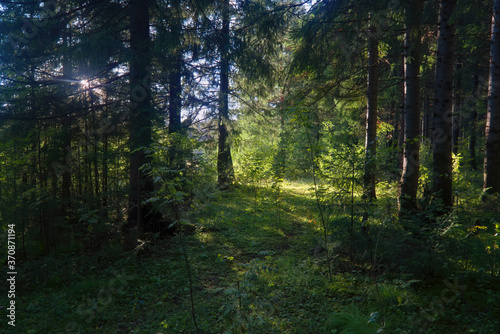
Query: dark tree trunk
176, 155
79, 172
224, 162
105, 170
65, 169
66, 150
492, 148
280, 158
66, 123
411, 157
140, 216
87, 179
457, 110
473, 125
427, 117
105, 144
442, 116
175, 88
95, 143
370, 172
393, 120
401, 132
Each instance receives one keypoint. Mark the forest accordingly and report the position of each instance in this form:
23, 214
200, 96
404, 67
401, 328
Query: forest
250, 166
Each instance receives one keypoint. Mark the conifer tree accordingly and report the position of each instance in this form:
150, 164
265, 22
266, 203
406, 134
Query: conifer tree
411, 157
140, 215
370, 173
443, 98
492, 149
225, 168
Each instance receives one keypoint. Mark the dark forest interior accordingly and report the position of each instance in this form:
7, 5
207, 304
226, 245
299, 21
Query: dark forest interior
250, 166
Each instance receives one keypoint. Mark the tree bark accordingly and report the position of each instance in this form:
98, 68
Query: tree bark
175, 88
224, 162
105, 145
176, 155
473, 125
411, 157
66, 125
492, 147
401, 118
140, 216
442, 115
427, 117
370, 172
457, 110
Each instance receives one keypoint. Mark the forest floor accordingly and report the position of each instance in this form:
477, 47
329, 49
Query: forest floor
256, 265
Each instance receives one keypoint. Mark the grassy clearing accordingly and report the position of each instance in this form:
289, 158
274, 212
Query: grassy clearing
252, 273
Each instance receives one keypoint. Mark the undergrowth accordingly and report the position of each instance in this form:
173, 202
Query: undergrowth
257, 270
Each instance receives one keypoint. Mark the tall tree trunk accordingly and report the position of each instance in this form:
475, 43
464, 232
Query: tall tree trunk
427, 117
457, 109
105, 144
280, 158
79, 171
66, 125
492, 148
442, 116
140, 215
394, 122
473, 125
95, 144
370, 173
38, 166
176, 155
87, 179
43, 221
411, 157
175, 88
224, 162
401, 130
105, 170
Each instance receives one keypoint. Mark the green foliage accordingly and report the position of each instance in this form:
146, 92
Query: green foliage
255, 147
245, 311
178, 169
351, 321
